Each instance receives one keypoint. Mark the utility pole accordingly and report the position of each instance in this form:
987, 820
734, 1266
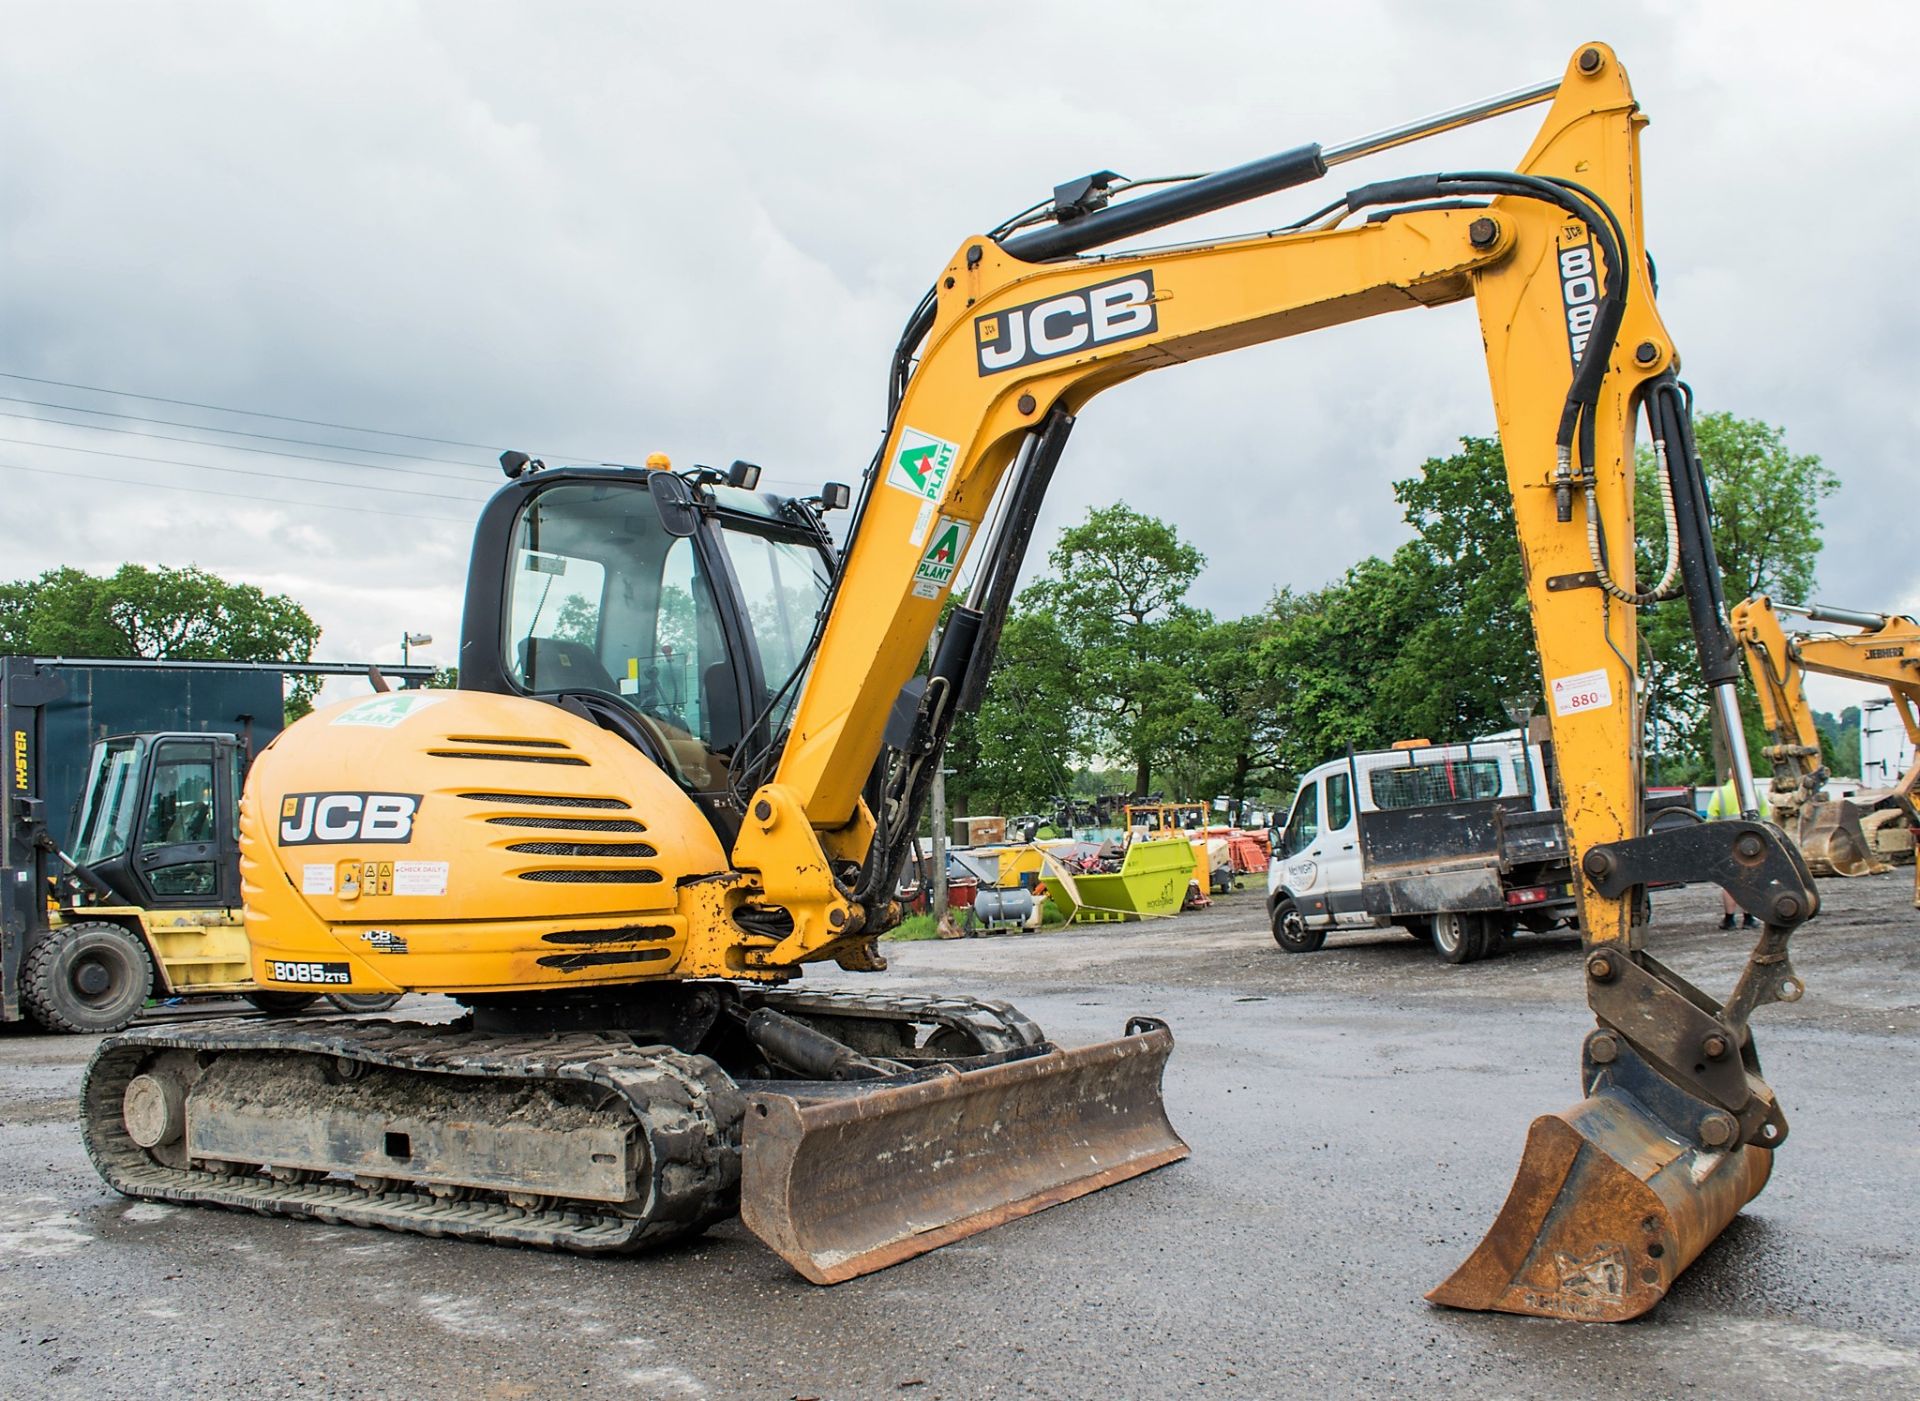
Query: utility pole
937, 883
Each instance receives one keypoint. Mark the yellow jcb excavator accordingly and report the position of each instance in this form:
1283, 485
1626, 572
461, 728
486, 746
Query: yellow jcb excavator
1885, 650
688, 758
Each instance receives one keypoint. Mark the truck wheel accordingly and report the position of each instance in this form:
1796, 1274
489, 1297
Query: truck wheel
1459, 938
363, 1001
91, 978
1290, 930
282, 1004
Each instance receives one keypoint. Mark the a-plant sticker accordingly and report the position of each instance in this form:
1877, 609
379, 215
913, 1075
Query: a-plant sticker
921, 463
383, 712
940, 561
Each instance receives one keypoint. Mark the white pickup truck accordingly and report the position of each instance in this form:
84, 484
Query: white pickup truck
1456, 843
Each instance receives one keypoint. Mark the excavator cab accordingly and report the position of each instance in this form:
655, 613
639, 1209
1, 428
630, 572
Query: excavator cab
669, 611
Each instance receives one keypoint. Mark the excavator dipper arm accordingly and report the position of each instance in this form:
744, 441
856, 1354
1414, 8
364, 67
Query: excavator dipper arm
1615, 1197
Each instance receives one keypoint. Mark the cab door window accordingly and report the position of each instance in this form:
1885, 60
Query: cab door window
178, 834
1304, 825
1339, 802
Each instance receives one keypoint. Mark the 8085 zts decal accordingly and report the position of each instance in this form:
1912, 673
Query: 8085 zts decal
279, 972
309, 818
1060, 325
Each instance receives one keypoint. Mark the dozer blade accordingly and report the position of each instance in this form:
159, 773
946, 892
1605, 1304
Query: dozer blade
845, 1186
1833, 842
1605, 1213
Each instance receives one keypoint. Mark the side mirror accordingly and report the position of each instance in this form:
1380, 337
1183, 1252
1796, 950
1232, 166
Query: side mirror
744, 475
835, 496
673, 499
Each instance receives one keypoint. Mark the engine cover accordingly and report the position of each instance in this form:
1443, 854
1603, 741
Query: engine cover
459, 841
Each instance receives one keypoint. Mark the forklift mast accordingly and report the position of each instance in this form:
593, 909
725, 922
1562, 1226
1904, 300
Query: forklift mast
26, 843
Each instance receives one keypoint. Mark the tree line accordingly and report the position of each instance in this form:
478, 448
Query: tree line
1109, 679
1104, 660
181, 614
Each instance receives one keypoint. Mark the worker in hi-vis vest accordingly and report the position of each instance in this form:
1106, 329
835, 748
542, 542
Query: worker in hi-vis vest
1725, 803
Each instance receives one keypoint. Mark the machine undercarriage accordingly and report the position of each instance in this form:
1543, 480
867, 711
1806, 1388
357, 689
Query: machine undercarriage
603, 1140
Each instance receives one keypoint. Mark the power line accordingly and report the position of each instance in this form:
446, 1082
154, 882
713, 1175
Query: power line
243, 471
241, 447
235, 495
230, 432
581, 457
251, 413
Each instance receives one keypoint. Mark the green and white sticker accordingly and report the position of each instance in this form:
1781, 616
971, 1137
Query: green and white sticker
383, 712
921, 463
940, 561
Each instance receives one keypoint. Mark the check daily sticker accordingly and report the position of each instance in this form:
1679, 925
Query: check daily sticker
940, 561
420, 878
921, 463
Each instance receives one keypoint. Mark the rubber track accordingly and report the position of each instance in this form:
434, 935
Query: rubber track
689, 1109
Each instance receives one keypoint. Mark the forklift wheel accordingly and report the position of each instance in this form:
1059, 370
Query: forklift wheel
282, 1004
90, 978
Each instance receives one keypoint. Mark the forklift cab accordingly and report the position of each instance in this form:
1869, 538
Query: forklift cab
156, 822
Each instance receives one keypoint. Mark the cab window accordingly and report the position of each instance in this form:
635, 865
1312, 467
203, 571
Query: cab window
180, 812
1339, 801
1304, 823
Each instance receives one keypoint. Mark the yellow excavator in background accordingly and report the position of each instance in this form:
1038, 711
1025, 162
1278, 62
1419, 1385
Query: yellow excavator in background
1886, 651
689, 757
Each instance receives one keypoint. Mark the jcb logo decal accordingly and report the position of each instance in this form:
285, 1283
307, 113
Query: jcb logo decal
309, 818
1579, 288
1092, 316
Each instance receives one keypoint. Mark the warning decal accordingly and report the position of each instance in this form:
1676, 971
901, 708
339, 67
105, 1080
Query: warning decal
940, 561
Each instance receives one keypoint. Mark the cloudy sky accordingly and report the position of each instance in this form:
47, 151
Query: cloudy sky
596, 230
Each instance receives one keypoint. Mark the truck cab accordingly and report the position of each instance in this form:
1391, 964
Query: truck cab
1457, 843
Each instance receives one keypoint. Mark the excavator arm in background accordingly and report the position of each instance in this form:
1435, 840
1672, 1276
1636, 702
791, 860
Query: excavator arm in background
1885, 651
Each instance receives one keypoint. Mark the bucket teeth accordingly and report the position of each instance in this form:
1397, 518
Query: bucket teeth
1605, 1212
846, 1186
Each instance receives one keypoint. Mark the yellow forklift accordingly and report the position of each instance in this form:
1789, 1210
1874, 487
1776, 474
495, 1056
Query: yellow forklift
144, 903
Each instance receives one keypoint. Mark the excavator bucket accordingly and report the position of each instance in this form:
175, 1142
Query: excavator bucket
1606, 1211
1833, 841
844, 1186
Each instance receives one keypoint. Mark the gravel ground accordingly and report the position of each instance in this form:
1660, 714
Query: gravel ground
1355, 1116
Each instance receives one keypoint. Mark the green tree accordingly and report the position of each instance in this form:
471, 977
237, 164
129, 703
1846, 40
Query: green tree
1766, 533
180, 614
1840, 740
1120, 581
1233, 738
1327, 652
1473, 649
1017, 750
